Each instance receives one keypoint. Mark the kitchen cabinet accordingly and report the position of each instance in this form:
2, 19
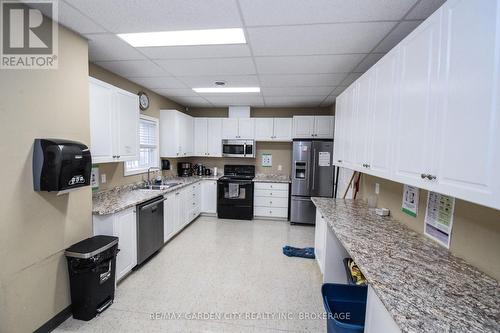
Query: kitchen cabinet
208, 137
123, 225
271, 200
273, 129
209, 196
170, 215
434, 119
114, 123
320, 241
176, 134
315, 127
377, 318
238, 128
362, 118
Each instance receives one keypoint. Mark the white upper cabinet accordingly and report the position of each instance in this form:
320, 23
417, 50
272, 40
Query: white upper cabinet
238, 128
264, 129
114, 123
418, 88
468, 133
433, 119
273, 129
200, 136
316, 127
208, 137
303, 127
214, 137
176, 134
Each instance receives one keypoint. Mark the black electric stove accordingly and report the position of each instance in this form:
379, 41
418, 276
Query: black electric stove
235, 192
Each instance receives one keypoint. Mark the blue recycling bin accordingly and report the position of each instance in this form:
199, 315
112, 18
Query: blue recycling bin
345, 306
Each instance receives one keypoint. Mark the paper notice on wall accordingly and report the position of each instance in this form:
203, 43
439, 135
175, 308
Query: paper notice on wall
410, 200
439, 217
324, 159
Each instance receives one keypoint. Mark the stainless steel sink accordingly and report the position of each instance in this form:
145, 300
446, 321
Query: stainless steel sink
159, 187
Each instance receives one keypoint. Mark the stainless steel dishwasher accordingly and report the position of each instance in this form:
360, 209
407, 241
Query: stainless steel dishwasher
149, 228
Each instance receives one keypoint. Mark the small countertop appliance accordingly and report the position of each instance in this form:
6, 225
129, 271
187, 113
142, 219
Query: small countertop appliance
184, 169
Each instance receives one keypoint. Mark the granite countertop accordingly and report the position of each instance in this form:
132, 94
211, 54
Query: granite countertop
271, 178
120, 198
422, 285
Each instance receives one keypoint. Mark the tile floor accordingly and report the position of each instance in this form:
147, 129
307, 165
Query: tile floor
221, 268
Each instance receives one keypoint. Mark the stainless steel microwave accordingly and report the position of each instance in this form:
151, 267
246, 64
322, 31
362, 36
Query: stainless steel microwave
238, 148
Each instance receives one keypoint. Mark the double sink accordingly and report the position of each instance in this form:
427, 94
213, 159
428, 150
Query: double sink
159, 187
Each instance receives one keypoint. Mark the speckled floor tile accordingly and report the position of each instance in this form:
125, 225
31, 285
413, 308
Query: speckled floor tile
219, 267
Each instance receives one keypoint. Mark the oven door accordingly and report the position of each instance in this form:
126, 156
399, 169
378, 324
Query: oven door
235, 192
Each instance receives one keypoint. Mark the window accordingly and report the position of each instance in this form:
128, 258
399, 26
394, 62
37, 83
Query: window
148, 148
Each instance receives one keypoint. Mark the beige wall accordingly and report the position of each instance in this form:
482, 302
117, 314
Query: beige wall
114, 171
36, 227
476, 229
261, 112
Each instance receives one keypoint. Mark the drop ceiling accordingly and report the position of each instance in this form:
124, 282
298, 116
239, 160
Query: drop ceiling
300, 52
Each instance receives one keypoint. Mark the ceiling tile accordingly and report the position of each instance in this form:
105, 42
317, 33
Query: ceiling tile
296, 91
106, 47
401, 31
308, 64
202, 51
424, 9
190, 101
296, 101
182, 92
351, 78
231, 80
235, 99
281, 12
133, 68
304, 80
368, 62
158, 82
208, 66
119, 16
318, 39
74, 20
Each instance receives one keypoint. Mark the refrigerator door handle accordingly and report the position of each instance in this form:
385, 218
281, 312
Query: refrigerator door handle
313, 167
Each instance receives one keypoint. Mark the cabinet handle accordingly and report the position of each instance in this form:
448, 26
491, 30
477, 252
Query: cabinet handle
118, 156
423, 175
368, 166
340, 161
431, 177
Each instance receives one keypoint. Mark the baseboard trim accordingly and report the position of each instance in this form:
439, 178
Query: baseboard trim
57, 320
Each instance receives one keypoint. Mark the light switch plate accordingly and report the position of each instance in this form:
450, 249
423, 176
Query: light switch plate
103, 178
377, 188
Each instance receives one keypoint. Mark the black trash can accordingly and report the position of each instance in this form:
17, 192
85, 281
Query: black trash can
92, 266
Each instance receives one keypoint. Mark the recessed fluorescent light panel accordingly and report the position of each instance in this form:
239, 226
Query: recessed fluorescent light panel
185, 37
227, 90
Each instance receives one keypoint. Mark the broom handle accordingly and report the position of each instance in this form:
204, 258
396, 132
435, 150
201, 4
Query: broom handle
349, 185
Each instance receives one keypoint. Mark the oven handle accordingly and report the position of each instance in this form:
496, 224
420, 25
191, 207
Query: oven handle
239, 182
245, 149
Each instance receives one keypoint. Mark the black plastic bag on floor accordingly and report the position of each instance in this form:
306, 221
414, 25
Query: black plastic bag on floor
307, 252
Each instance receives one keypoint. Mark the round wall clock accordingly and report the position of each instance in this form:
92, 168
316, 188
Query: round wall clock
143, 101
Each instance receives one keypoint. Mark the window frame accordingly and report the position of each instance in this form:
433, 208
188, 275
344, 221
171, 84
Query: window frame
157, 146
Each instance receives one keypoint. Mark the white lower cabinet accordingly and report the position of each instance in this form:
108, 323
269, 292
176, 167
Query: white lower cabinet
320, 240
377, 318
271, 200
209, 196
122, 225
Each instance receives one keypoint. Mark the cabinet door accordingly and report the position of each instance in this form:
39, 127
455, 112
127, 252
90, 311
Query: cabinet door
264, 129
419, 58
338, 141
101, 113
283, 129
187, 135
209, 196
362, 119
169, 215
246, 128
323, 127
125, 228
214, 137
303, 127
200, 136
384, 92
348, 126
230, 128
179, 210
469, 123
319, 240
170, 133
127, 125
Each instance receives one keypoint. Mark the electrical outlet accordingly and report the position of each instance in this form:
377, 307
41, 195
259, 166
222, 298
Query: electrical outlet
103, 178
280, 167
377, 188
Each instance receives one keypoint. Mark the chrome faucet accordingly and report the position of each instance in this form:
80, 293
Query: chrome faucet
149, 171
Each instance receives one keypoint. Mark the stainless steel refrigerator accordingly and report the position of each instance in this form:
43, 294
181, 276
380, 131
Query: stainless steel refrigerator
312, 176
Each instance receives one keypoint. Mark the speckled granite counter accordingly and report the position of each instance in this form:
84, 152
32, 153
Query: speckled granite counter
120, 198
422, 285
265, 178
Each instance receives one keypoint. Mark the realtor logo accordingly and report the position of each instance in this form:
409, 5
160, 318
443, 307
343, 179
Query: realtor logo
28, 34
